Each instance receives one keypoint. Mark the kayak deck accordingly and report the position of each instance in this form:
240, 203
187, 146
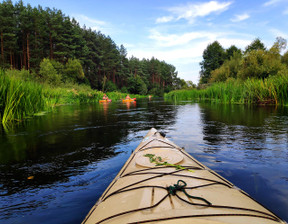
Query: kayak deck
161, 183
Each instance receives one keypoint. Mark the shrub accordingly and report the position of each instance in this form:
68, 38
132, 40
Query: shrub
137, 85
48, 73
110, 86
74, 70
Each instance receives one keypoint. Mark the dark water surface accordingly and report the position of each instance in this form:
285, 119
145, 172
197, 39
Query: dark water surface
74, 152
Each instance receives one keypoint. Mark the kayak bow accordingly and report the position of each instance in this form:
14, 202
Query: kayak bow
161, 183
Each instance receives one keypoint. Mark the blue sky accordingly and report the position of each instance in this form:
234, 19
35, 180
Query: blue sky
179, 31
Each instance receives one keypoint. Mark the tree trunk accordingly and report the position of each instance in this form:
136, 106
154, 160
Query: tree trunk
51, 46
24, 56
2, 47
28, 52
11, 60
114, 75
21, 62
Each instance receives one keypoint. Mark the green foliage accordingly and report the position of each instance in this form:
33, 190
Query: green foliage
48, 73
272, 90
32, 35
229, 69
18, 99
231, 51
59, 67
260, 64
124, 89
284, 58
160, 162
257, 62
136, 85
73, 70
110, 87
255, 45
213, 57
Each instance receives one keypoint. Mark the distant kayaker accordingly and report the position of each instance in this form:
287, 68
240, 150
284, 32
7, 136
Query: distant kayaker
105, 97
128, 97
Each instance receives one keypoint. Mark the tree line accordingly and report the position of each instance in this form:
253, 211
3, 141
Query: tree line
256, 61
55, 49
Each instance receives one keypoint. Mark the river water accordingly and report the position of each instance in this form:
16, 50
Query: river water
54, 167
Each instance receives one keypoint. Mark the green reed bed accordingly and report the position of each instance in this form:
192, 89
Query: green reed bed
22, 97
18, 99
273, 90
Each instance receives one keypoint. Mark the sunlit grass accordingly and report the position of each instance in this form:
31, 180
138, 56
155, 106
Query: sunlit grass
22, 97
273, 90
18, 99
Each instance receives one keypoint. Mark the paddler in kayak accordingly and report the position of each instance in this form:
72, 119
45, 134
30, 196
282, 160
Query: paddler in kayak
128, 97
105, 97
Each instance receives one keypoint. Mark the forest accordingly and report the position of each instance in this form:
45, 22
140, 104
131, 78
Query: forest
256, 61
257, 75
56, 50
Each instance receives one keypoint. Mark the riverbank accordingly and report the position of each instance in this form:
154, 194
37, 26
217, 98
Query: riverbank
22, 97
272, 90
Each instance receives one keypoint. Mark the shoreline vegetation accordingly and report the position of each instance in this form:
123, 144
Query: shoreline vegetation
21, 99
49, 60
270, 91
231, 76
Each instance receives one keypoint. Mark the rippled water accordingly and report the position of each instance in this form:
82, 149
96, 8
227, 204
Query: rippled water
73, 153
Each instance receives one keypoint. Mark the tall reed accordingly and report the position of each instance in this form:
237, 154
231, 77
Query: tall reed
18, 99
273, 90
21, 96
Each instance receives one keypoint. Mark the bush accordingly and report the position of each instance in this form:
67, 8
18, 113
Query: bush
229, 69
74, 70
48, 73
137, 85
110, 87
260, 64
124, 89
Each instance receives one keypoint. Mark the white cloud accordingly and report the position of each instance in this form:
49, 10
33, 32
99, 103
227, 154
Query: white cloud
164, 19
278, 33
191, 11
238, 42
94, 24
170, 40
240, 17
271, 2
186, 58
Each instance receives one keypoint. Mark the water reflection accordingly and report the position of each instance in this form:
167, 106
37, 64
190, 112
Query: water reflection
249, 147
75, 152
104, 106
130, 104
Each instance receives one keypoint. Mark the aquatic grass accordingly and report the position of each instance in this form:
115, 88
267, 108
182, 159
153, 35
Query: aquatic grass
19, 99
272, 90
13, 98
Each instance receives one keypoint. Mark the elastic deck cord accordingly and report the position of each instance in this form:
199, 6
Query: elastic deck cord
173, 189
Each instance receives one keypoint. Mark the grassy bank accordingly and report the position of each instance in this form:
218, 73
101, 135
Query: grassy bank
22, 97
273, 90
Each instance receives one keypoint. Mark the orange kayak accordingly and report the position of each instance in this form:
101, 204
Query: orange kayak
129, 100
105, 101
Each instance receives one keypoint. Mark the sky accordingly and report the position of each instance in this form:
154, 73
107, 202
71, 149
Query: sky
178, 31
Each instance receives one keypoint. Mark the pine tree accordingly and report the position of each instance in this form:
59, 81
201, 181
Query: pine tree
8, 33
